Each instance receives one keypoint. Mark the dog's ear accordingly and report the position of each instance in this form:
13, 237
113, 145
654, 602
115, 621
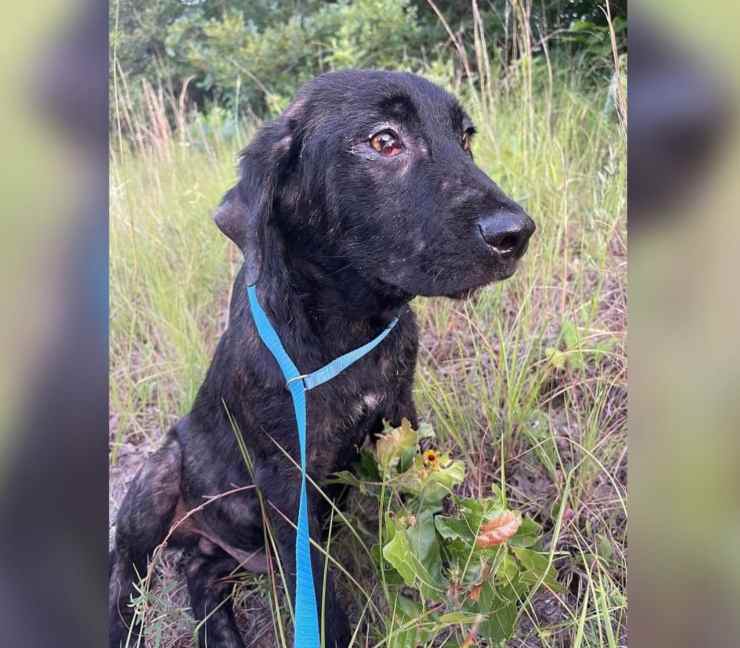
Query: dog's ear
246, 209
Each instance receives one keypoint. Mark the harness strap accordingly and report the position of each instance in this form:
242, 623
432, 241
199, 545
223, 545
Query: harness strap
306, 614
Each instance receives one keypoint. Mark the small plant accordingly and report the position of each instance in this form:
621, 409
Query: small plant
449, 566
576, 350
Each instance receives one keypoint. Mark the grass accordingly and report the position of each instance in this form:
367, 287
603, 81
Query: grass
526, 383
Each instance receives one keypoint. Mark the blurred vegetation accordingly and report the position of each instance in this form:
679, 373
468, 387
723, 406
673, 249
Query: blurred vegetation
219, 53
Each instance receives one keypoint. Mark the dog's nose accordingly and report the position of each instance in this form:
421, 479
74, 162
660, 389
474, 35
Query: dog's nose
507, 232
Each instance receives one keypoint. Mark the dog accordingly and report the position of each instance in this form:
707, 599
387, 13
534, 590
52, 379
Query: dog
362, 195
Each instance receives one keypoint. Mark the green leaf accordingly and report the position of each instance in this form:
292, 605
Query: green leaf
347, 478
604, 546
368, 467
459, 552
572, 340
508, 570
392, 577
393, 444
424, 543
581, 25
432, 484
423, 537
501, 615
476, 511
472, 511
569, 331
408, 608
454, 618
425, 431
398, 553
556, 358
406, 460
527, 534
536, 568
451, 528
497, 497
415, 553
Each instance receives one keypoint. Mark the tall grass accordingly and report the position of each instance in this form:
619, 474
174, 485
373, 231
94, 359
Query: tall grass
526, 382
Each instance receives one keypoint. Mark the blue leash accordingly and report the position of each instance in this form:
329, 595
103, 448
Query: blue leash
306, 615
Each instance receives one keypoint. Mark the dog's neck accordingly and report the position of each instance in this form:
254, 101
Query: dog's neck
335, 300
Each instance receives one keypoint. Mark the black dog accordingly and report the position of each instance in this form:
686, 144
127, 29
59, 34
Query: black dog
360, 196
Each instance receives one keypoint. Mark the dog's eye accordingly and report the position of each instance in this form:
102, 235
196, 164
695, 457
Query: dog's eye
386, 143
467, 138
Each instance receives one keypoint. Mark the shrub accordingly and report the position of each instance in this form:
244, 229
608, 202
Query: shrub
254, 59
446, 561
243, 66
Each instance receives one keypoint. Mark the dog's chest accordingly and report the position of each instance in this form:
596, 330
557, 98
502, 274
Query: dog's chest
335, 418
341, 417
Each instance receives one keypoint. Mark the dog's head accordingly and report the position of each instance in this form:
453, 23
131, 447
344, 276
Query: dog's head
372, 171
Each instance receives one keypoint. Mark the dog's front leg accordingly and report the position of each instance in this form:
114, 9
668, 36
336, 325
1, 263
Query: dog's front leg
280, 484
401, 405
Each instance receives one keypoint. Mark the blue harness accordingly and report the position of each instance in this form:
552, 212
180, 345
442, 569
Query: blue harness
306, 615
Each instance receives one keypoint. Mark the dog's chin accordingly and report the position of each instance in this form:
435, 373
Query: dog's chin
470, 291
459, 292
392, 292
466, 293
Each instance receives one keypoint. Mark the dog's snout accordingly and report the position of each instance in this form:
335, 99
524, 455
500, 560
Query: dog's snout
507, 232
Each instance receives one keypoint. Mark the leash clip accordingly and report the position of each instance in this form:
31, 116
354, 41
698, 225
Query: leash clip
299, 377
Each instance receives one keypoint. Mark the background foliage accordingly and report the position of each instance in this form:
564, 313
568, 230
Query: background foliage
252, 56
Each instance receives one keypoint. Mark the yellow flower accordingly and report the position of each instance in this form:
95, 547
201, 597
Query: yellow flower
431, 458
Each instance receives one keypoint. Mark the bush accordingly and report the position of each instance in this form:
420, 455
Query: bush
252, 60
446, 562
249, 64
